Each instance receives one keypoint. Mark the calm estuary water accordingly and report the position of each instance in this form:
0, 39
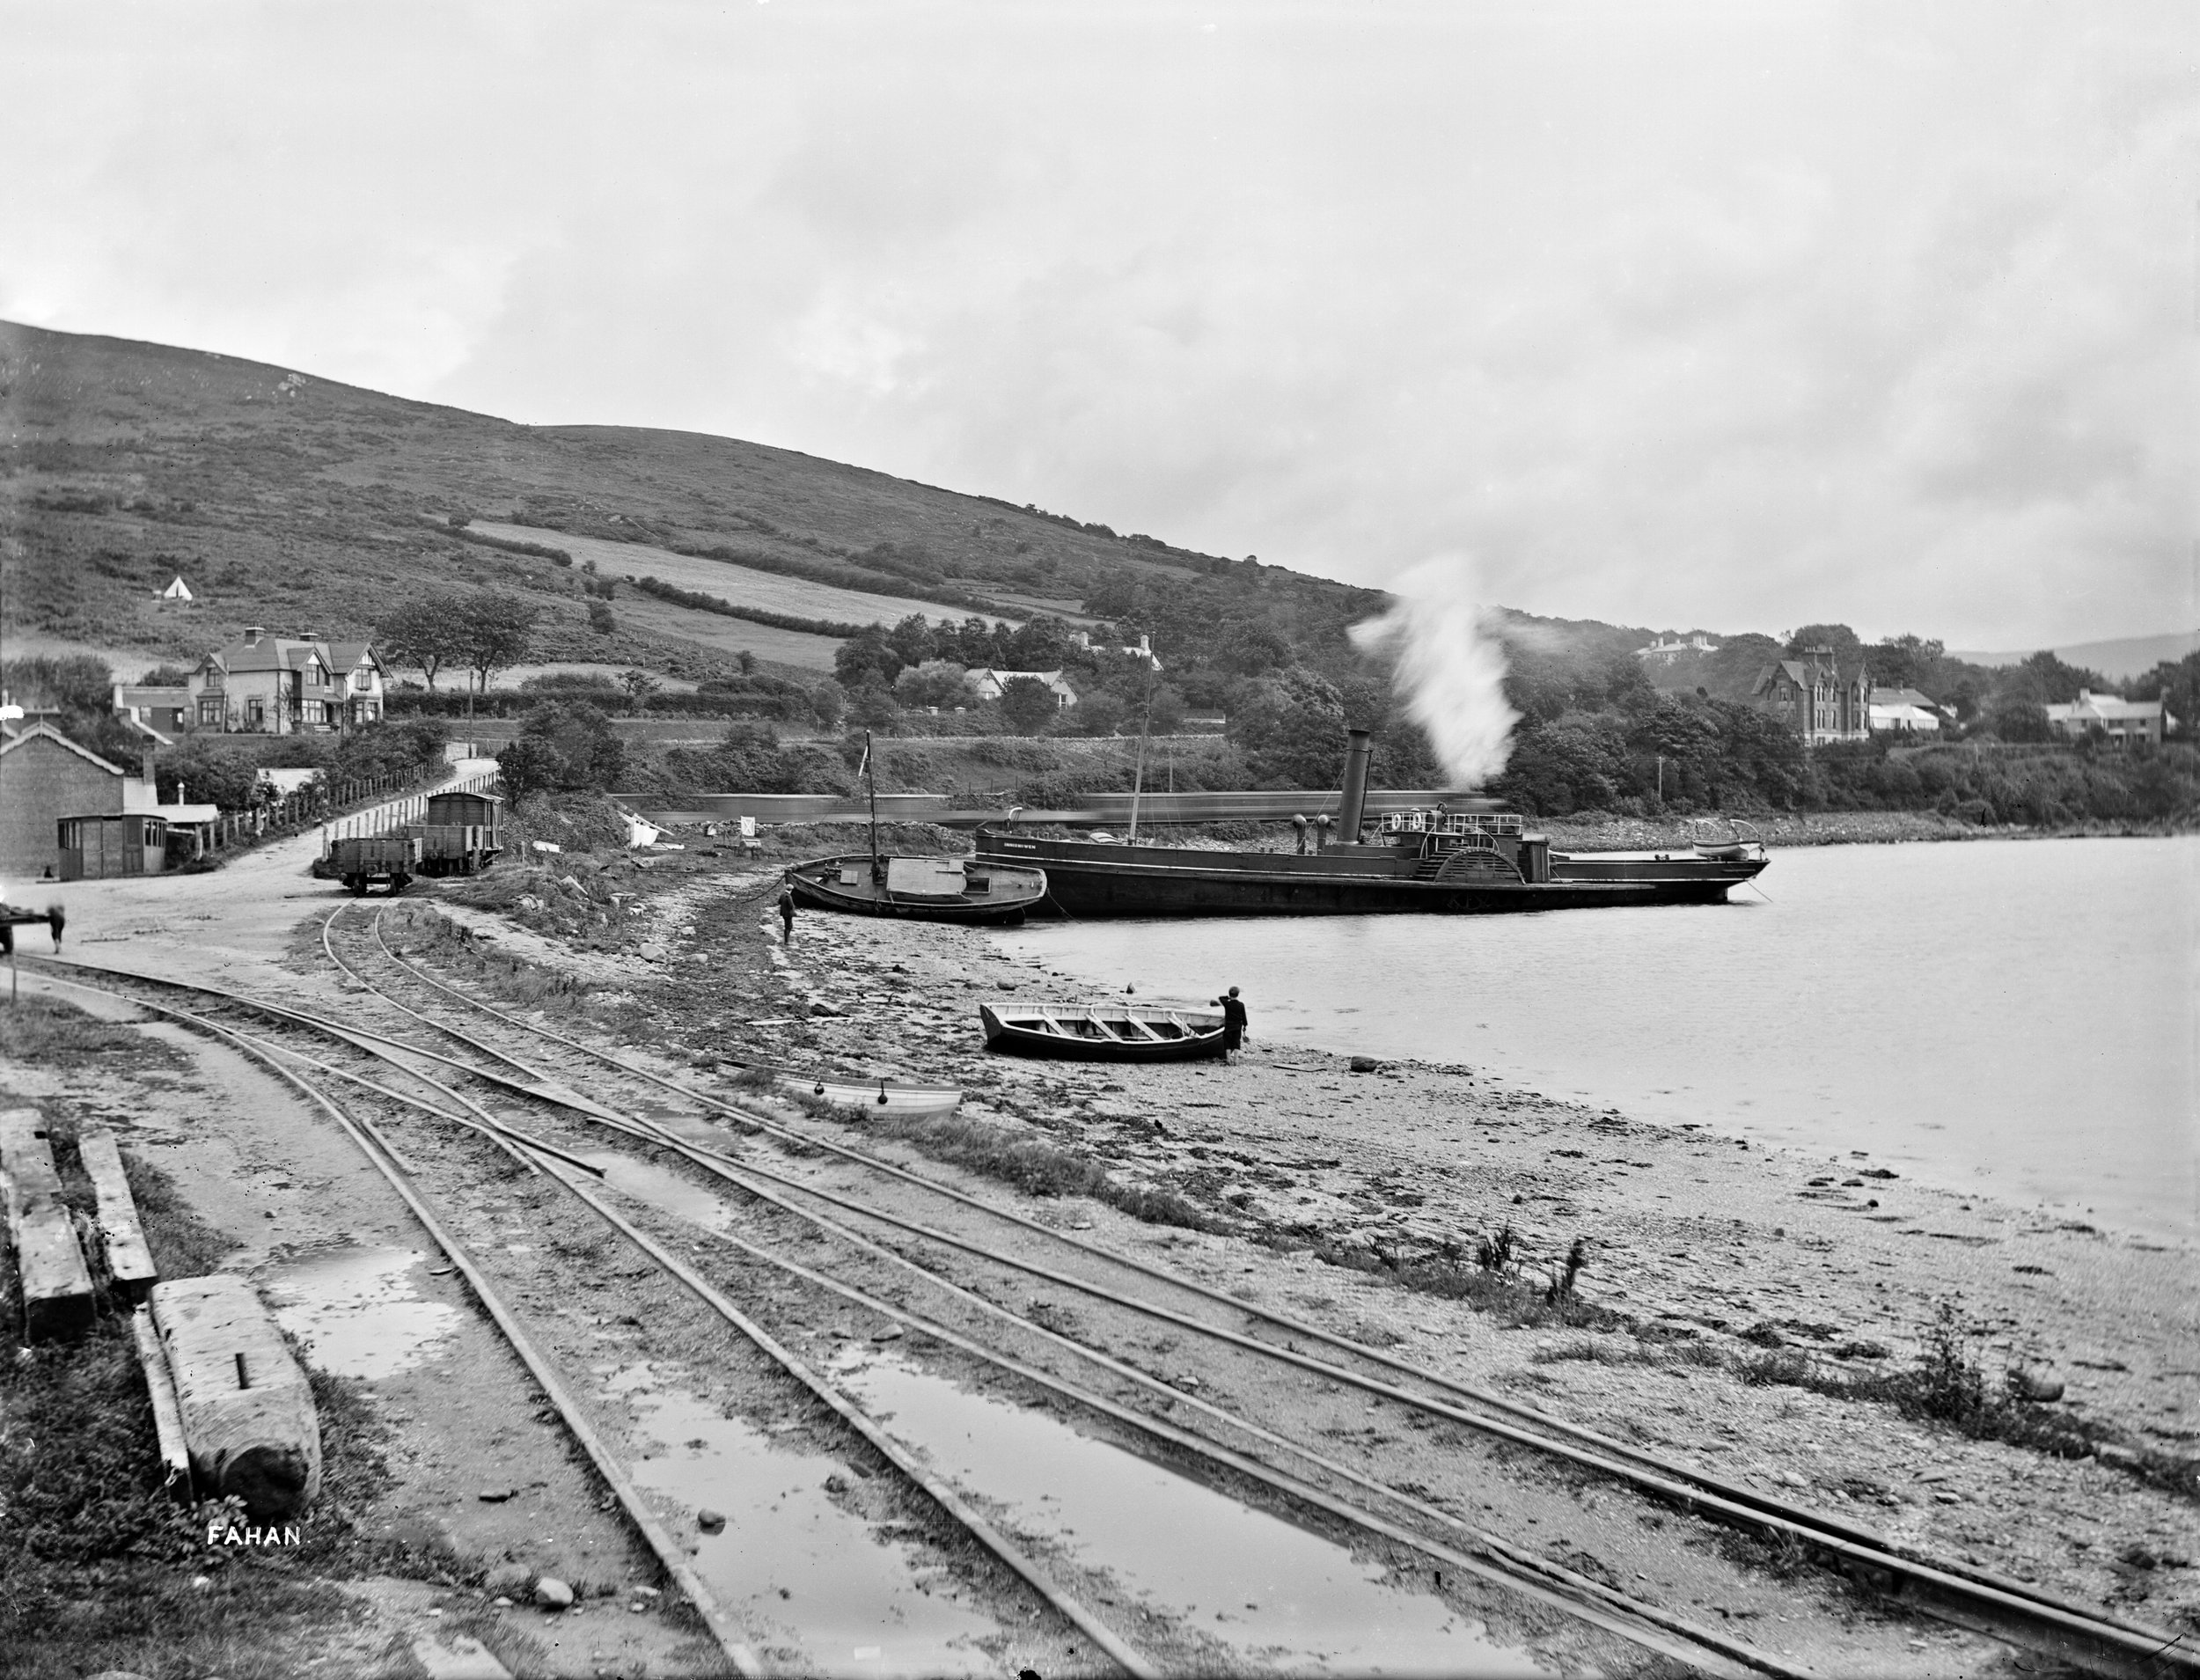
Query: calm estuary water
2016, 1018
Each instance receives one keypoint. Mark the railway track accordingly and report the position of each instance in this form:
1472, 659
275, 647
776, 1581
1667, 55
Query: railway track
879, 1251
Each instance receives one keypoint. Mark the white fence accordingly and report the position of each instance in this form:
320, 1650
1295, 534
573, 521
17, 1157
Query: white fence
396, 813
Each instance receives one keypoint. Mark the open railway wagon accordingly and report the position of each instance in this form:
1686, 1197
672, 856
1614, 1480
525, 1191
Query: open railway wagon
389, 861
458, 833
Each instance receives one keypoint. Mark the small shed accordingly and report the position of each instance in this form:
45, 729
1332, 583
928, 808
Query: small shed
95, 848
469, 810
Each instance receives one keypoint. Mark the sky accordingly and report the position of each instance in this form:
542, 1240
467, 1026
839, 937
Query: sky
1738, 316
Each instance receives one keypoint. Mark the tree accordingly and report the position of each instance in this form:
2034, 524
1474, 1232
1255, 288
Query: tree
746, 661
1250, 647
421, 632
567, 747
2013, 717
600, 619
529, 767
1098, 713
936, 682
1028, 704
165, 677
492, 631
1291, 729
873, 706
865, 659
829, 702
639, 685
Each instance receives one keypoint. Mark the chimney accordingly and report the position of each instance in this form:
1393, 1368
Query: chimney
1358, 748
252, 633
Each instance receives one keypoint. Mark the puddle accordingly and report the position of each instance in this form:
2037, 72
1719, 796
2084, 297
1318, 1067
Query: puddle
790, 1566
1278, 1595
664, 1189
357, 1309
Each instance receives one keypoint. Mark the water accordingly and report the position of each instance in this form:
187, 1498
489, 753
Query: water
358, 1310
1274, 1594
791, 1564
2012, 1018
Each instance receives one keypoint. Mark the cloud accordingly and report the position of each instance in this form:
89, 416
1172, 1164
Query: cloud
1731, 316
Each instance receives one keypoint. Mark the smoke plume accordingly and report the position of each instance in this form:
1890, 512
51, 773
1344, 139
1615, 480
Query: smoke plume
1450, 675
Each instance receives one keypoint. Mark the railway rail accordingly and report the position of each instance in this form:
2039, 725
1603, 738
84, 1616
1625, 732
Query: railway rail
1222, 1442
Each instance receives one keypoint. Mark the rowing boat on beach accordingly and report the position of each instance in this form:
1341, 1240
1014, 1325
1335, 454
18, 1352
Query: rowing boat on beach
1111, 1034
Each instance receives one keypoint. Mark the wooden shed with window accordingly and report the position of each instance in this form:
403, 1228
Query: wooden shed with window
95, 847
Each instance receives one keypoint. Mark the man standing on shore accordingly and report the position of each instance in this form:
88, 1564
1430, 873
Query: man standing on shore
1234, 1023
786, 914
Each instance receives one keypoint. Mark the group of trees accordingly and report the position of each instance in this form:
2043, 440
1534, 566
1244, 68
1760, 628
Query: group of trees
564, 746
479, 631
223, 770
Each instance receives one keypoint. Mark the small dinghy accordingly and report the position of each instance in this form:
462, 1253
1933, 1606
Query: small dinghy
878, 1096
1112, 1033
919, 889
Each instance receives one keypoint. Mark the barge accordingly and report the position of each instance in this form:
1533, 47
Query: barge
1441, 861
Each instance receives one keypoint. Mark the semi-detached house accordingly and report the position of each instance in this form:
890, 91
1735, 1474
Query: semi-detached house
273, 685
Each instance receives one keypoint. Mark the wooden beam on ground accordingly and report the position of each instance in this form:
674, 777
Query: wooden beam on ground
160, 1383
249, 1424
128, 1261
56, 1283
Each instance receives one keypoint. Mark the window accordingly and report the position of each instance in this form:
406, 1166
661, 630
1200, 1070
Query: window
255, 713
210, 710
312, 712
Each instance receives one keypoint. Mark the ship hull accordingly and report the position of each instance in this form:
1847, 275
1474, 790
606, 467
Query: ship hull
1100, 880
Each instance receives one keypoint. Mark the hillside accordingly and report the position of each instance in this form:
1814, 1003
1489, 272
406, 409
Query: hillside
291, 502
2119, 660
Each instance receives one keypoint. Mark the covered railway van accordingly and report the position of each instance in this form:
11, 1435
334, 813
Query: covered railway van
458, 832
95, 848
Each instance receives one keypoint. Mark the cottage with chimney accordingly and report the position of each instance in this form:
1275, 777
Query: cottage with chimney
2121, 722
271, 685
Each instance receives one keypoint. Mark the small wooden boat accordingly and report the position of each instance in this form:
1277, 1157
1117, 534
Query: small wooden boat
878, 1096
1112, 1033
919, 889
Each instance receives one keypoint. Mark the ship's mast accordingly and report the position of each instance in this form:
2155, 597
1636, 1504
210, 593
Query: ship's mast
870, 779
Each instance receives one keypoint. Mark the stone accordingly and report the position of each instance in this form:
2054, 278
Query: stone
553, 1594
2036, 1385
494, 1495
1365, 1065
710, 1522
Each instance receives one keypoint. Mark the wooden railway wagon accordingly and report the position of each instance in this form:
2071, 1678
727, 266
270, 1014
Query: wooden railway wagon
370, 860
458, 833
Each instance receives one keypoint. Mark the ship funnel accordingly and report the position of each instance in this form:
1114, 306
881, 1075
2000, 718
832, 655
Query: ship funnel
1358, 748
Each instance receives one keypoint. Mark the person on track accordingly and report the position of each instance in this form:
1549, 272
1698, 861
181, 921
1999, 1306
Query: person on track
1235, 1023
787, 915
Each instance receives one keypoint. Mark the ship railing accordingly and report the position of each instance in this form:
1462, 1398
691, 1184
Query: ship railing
1451, 822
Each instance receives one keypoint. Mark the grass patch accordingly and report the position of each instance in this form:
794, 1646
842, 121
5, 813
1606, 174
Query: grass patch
36, 1029
98, 1561
1947, 1384
1032, 1166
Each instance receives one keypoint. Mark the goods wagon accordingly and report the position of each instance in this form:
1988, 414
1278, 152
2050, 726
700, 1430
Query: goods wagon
458, 832
389, 860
